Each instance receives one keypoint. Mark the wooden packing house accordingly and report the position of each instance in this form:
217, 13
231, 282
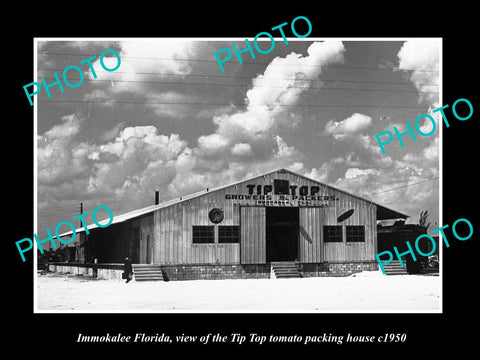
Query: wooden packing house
279, 224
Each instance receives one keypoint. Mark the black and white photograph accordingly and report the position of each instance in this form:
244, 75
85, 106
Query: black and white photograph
243, 182
233, 185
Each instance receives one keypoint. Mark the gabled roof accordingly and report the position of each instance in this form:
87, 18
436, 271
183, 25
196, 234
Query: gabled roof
383, 213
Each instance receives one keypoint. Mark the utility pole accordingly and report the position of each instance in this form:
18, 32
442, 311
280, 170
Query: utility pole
85, 243
81, 212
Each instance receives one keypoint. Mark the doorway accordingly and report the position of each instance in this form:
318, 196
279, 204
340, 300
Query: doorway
134, 246
282, 225
149, 250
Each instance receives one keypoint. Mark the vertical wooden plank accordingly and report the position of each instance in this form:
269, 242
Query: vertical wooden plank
244, 237
253, 239
180, 230
174, 243
184, 232
309, 235
261, 234
187, 235
195, 221
163, 259
168, 234
164, 235
156, 238
173, 233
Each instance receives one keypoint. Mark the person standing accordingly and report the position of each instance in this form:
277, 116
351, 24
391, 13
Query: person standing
127, 270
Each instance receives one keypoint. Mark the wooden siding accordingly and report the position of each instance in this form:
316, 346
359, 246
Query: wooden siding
310, 235
352, 251
253, 237
172, 225
174, 234
146, 229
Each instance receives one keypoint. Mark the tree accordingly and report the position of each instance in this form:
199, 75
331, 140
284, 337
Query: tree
423, 219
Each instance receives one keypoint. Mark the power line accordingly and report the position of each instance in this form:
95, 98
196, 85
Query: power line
251, 78
402, 187
228, 104
248, 85
58, 210
246, 63
59, 207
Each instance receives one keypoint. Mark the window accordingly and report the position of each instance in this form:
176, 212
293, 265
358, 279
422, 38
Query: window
281, 187
355, 233
228, 234
332, 233
203, 235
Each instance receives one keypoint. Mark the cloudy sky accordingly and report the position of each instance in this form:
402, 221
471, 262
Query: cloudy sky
169, 119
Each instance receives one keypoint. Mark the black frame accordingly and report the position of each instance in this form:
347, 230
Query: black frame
203, 234
355, 233
332, 233
229, 234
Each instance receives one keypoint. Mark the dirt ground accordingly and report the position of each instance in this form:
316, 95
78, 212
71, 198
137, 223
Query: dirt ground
363, 292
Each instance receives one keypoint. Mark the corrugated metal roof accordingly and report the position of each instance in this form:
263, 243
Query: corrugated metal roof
387, 213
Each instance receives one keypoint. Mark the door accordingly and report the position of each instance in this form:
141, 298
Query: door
310, 244
282, 234
134, 248
252, 235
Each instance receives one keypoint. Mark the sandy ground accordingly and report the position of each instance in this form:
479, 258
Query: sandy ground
363, 292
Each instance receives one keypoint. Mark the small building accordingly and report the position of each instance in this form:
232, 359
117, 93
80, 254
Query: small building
397, 235
239, 230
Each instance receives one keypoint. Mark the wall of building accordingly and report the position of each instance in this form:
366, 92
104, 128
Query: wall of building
116, 242
71, 269
398, 235
261, 271
109, 245
337, 268
103, 271
213, 272
145, 224
172, 225
173, 233
313, 249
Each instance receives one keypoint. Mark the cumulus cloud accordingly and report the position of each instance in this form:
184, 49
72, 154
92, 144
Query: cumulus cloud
360, 150
242, 149
285, 78
135, 161
131, 162
247, 142
280, 85
352, 173
391, 186
59, 157
123, 165
212, 143
321, 173
139, 59
420, 59
149, 56
431, 152
135, 154
349, 126
99, 96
